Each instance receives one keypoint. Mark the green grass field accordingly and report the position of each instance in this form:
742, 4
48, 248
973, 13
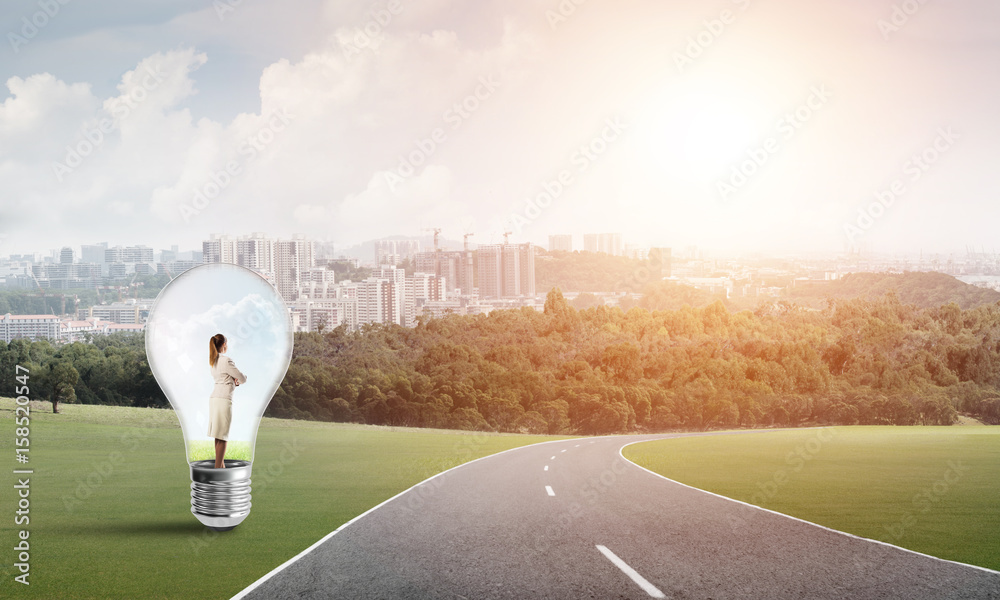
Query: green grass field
205, 450
935, 490
110, 498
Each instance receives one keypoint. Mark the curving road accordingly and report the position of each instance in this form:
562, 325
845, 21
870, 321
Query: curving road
573, 519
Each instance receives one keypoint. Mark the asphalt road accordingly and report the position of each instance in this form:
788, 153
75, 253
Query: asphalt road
572, 519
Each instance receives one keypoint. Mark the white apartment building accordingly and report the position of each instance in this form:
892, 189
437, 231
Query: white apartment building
124, 313
422, 288
403, 313
32, 327
311, 314
291, 259
376, 302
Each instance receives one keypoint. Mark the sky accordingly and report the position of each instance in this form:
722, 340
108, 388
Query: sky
734, 125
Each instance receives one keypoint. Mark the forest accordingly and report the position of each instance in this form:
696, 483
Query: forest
601, 370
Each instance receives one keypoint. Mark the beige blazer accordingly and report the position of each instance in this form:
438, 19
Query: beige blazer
225, 375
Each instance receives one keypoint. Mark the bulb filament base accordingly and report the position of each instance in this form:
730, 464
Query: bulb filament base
220, 498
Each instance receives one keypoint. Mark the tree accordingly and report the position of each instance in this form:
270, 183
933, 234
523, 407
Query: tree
585, 300
622, 363
61, 380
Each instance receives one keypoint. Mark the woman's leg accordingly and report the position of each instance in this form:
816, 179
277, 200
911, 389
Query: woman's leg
220, 453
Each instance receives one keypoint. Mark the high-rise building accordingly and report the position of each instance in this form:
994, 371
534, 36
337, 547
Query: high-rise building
291, 259
318, 315
606, 243
326, 302
325, 249
506, 270
284, 262
219, 249
129, 254
93, 253
455, 266
562, 243
256, 252
422, 289
403, 305
376, 301
319, 275
66, 256
393, 252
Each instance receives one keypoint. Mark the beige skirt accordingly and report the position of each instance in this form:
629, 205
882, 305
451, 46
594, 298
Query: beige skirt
220, 414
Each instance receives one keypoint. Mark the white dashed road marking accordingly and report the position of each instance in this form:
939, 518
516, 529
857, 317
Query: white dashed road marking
548, 490
649, 588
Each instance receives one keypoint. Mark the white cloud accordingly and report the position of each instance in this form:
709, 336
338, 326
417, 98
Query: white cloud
354, 114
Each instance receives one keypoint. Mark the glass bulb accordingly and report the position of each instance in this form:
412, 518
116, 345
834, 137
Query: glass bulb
249, 312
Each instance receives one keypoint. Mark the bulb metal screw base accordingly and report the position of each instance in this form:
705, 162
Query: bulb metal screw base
220, 498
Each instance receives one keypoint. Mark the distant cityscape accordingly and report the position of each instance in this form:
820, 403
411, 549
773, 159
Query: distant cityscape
405, 280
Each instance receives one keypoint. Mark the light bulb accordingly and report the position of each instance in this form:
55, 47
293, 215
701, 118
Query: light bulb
249, 312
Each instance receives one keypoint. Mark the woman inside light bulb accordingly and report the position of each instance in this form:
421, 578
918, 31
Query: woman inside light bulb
220, 403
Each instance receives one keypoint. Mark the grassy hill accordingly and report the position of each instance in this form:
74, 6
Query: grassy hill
926, 290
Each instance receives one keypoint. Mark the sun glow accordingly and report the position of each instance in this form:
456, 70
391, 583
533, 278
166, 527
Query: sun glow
697, 131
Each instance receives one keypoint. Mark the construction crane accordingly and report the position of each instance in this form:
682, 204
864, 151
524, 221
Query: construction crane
466, 275
437, 234
135, 286
437, 250
506, 237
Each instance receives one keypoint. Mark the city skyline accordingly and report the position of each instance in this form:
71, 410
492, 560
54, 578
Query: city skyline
578, 245
701, 127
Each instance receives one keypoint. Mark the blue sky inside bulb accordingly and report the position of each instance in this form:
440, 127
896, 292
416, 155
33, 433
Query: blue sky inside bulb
243, 306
